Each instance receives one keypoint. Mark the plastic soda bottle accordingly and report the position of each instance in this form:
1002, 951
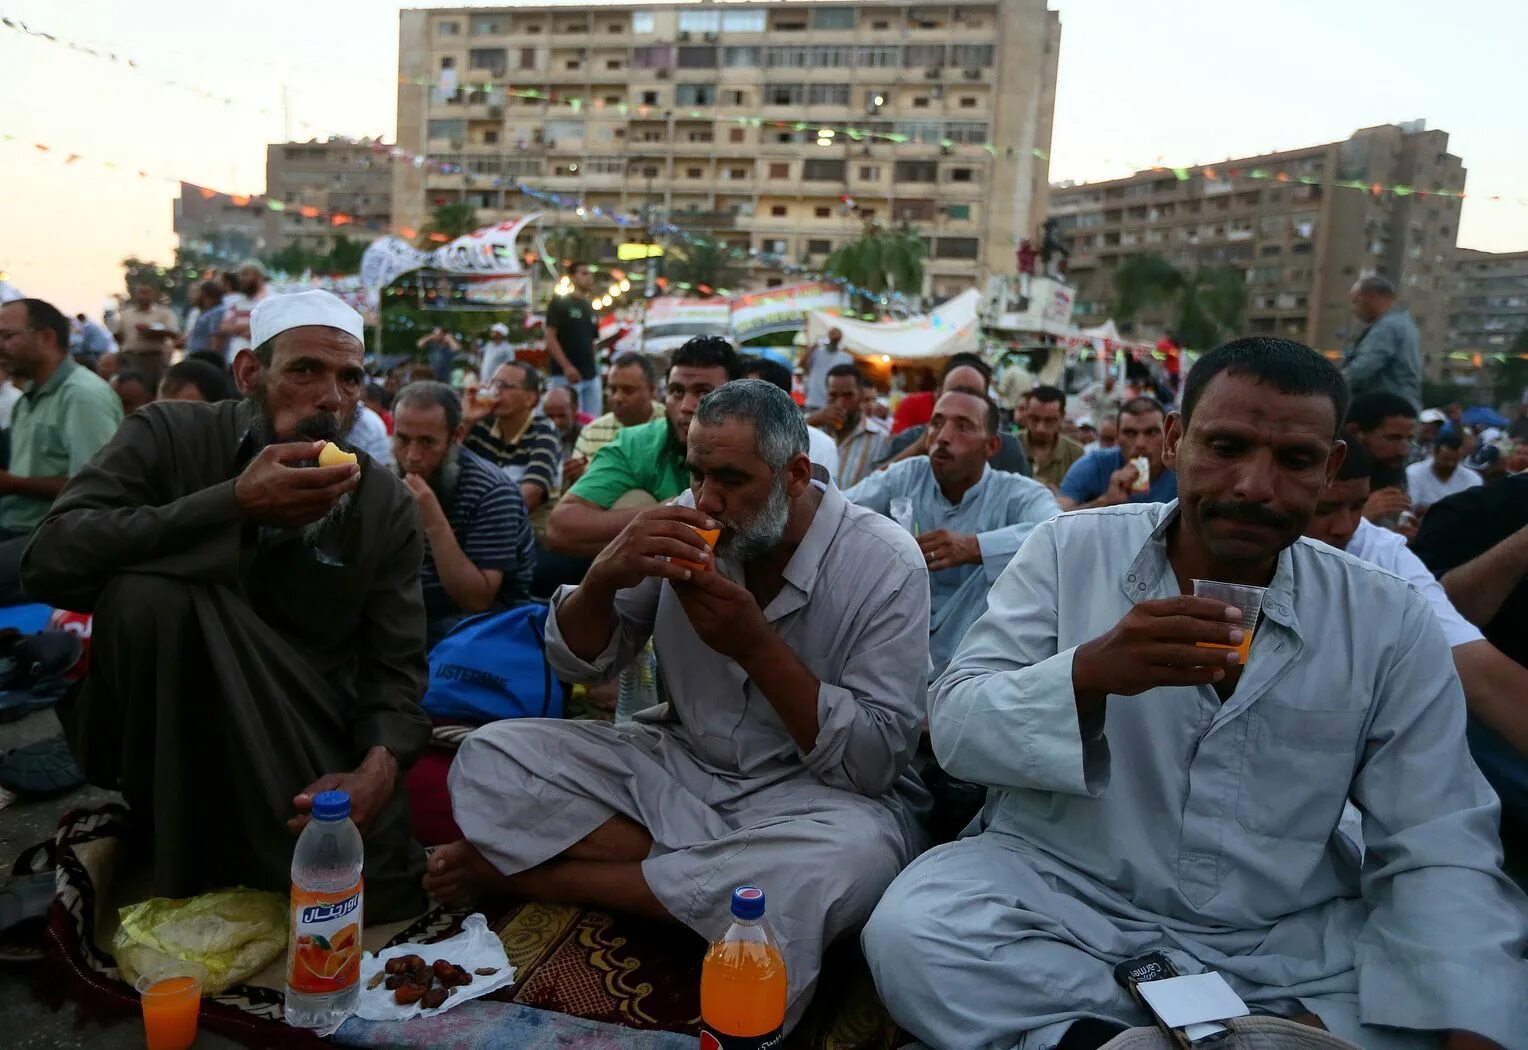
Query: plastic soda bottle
324, 949
742, 983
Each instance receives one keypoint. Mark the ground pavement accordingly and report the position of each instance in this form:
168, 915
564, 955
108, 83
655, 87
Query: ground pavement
29, 1024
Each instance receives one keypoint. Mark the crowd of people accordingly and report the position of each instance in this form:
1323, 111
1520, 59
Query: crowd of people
983, 624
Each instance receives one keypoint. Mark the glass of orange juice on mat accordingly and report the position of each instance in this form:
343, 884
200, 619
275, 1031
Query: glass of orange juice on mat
1248, 599
171, 1003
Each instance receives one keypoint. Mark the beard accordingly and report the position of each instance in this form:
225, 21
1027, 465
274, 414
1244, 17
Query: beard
750, 540
321, 426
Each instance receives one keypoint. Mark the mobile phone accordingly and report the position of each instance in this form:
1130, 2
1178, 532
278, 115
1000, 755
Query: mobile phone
1156, 966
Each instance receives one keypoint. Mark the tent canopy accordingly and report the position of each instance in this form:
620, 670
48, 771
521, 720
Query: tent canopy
949, 329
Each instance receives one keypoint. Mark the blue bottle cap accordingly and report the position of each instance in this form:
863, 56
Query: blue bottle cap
747, 903
331, 805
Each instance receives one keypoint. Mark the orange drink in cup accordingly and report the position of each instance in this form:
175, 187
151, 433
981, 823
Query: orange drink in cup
1248, 599
710, 536
170, 1008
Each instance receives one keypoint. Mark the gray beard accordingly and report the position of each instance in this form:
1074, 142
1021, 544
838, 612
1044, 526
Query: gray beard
753, 539
324, 426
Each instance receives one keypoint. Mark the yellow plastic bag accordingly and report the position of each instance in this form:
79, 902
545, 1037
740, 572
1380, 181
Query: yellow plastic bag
234, 934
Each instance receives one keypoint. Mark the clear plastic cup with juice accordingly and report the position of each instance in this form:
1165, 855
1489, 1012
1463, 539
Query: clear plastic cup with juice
1248, 599
171, 1004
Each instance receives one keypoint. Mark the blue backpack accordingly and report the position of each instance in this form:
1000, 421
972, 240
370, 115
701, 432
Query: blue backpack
493, 666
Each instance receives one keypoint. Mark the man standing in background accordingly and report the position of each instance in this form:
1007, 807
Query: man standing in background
817, 362
241, 305
1387, 354
204, 335
144, 331
571, 331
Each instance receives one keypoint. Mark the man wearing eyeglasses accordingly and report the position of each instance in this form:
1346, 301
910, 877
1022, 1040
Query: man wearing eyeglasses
509, 432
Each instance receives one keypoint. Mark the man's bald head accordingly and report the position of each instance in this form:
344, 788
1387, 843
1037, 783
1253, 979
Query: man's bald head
966, 377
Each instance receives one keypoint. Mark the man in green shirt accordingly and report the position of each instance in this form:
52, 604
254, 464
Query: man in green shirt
66, 413
648, 458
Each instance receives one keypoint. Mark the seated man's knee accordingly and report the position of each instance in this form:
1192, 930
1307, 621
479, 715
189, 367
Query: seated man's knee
131, 597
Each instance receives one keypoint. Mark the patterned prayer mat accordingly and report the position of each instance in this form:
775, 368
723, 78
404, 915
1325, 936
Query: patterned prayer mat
582, 974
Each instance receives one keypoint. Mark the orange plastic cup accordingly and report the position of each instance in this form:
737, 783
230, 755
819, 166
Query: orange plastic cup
710, 536
170, 1009
1248, 599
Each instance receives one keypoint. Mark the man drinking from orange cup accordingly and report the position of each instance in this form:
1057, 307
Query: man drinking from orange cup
1147, 795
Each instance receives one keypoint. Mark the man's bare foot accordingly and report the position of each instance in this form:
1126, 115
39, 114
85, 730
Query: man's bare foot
458, 875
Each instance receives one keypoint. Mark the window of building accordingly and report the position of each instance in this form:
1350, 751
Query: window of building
735, 135
777, 210
743, 21
448, 29
822, 212
642, 22
493, 59
694, 173
780, 171
966, 133
880, 57
490, 138
816, 247
957, 212
649, 98
962, 175
921, 102
612, 100
787, 57
912, 211
971, 56
823, 170
447, 129
920, 55
880, 24
657, 56
827, 95
563, 130
734, 98
697, 58
487, 27
831, 57
739, 174
833, 18
968, 101
573, 63
612, 63
695, 95
700, 21
527, 58
956, 247
784, 94
615, 27
870, 172
740, 57
1270, 249
914, 171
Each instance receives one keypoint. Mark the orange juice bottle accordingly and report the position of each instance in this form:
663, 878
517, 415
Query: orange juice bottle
324, 950
742, 983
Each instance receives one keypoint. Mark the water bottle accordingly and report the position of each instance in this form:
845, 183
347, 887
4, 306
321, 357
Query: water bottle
324, 950
742, 982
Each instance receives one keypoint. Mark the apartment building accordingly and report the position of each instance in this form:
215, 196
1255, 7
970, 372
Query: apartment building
335, 177
674, 112
1301, 239
215, 225
1488, 304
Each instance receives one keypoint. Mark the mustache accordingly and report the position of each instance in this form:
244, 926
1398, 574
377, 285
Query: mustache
325, 426
1247, 514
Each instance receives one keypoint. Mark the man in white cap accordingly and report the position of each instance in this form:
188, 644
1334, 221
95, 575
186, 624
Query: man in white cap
497, 351
259, 627
1429, 424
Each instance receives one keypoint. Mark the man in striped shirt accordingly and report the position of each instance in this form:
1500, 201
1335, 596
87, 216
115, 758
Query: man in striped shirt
480, 553
509, 432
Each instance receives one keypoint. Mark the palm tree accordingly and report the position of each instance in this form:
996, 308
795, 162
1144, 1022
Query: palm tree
882, 260
1208, 300
702, 263
451, 221
567, 244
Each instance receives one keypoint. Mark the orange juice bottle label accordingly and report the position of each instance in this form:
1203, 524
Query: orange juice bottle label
324, 952
711, 1039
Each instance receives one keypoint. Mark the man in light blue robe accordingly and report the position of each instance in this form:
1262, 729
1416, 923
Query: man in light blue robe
1151, 794
969, 519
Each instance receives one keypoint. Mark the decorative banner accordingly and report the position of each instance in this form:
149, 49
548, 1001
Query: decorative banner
490, 250
781, 309
388, 259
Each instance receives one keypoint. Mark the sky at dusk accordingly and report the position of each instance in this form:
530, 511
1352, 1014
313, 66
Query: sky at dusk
1191, 81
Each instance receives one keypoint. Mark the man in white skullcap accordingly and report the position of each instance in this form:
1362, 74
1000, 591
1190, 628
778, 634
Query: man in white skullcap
259, 628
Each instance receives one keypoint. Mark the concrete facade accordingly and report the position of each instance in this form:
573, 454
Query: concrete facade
1301, 244
1488, 304
337, 176
665, 123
